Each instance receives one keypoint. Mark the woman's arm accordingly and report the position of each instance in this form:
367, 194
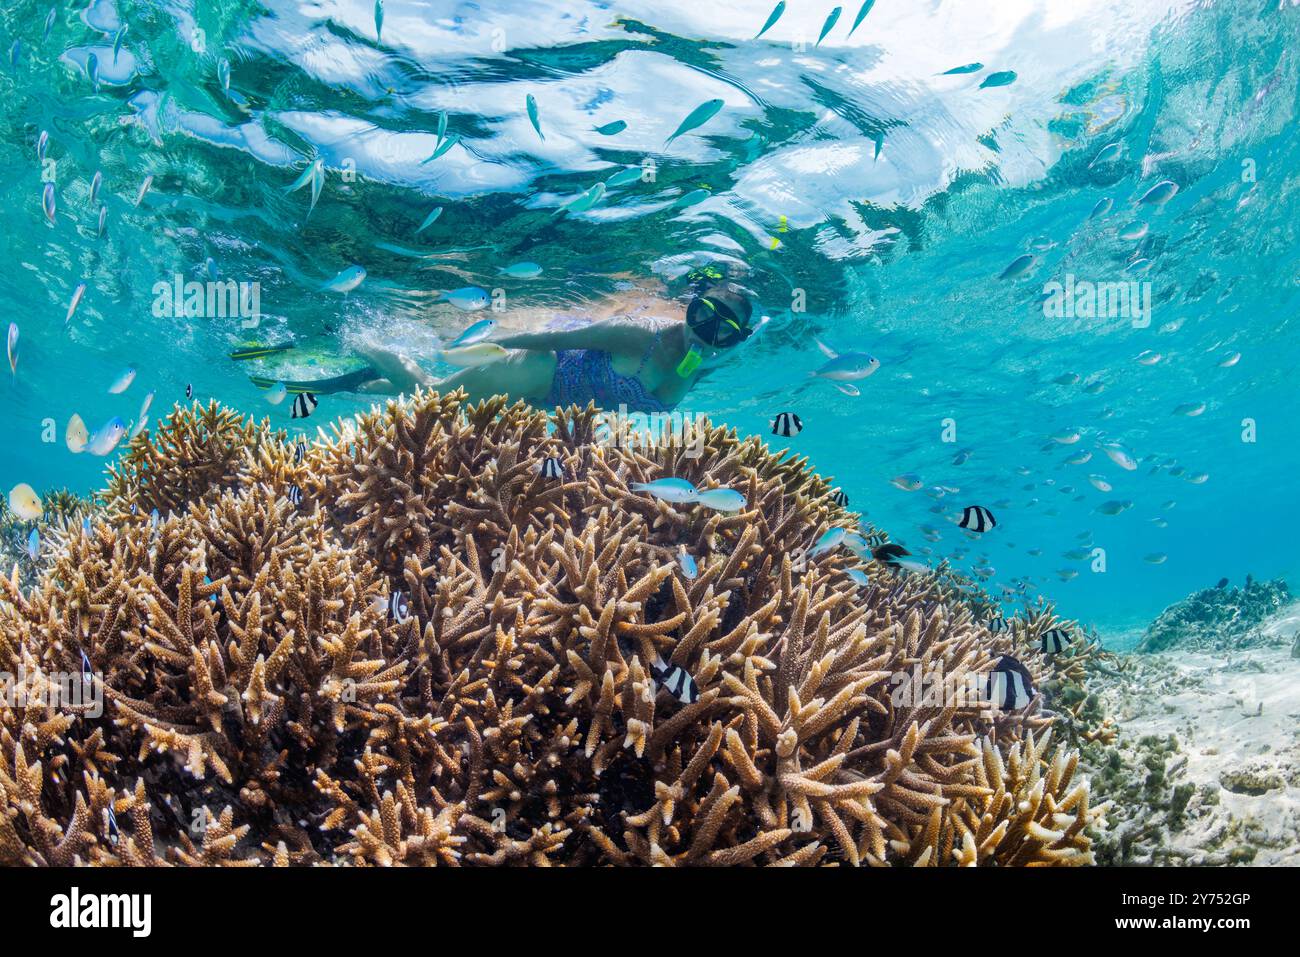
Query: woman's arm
612, 335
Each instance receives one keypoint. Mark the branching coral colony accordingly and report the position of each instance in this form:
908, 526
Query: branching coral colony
261, 705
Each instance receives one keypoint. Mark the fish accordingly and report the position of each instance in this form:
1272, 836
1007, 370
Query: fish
1159, 194
92, 71
786, 425
1066, 437
908, 483
963, 69
1104, 206
442, 147
1120, 456
1223, 583
103, 222
699, 116
1114, 507
862, 15
687, 562
189, 391
294, 495
611, 129
829, 24
123, 381
475, 333
25, 503
346, 281
1068, 378
585, 200
530, 104
154, 518
304, 404
772, 17
1229, 360
1149, 358
106, 439
48, 203
1176, 471
669, 490
847, 388
76, 301
87, 669
675, 680
11, 347
1080, 458
144, 188
1107, 154
34, 545
118, 40
1156, 558
467, 298
550, 468
1054, 640
1159, 522
223, 73
75, 435
379, 17
693, 197
1019, 266
397, 606
1139, 265
847, 367
1200, 478
831, 539
624, 176
838, 497
42, 141
49, 23
276, 394
138, 427
722, 500
314, 174
1099, 483
524, 270
998, 625
858, 575
429, 220
1134, 230
889, 553
473, 356
1190, 409
1009, 686
1001, 78
15, 53
114, 834
977, 518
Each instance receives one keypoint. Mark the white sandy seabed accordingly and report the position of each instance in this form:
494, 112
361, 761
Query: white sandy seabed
1236, 717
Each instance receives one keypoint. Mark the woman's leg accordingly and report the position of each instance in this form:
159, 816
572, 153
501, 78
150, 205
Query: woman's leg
524, 374
398, 371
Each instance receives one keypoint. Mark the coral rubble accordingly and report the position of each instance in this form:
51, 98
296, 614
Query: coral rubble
262, 704
1217, 617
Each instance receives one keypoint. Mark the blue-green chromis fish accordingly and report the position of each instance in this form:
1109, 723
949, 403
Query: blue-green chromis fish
829, 24
346, 281
669, 490
772, 17
1004, 78
697, 118
966, 68
475, 333
862, 15
612, 129
468, 298
530, 103
722, 500
524, 270
429, 220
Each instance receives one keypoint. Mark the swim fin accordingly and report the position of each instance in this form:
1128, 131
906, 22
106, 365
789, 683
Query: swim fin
258, 350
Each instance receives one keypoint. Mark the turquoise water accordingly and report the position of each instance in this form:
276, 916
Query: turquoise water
868, 200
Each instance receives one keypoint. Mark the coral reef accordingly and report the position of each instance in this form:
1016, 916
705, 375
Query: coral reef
1217, 617
262, 704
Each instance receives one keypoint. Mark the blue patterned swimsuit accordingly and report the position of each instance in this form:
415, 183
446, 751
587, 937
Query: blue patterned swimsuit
587, 375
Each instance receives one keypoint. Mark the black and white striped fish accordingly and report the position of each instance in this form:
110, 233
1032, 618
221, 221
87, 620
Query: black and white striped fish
998, 625
1009, 686
839, 498
304, 404
676, 681
299, 451
1054, 640
87, 670
189, 390
787, 425
550, 468
396, 607
113, 833
295, 495
977, 518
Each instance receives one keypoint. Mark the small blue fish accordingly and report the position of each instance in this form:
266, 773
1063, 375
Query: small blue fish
118, 40
584, 201
687, 563
524, 270
103, 222
722, 500
612, 129
346, 281
858, 575
276, 394
15, 53
442, 126
154, 519
429, 220
693, 197
1019, 266
11, 346
106, 439
144, 189
123, 381
530, 103
42, 141
223, 73
467, 298
96, 182
92, 70
475, 333
1104, 206
34, 545
379, 17
1107, 154
862, 15
48, 203
846, 367
442, 148
1004, 78
1159, 194
85, 527
966, 68
774, 16
698, 117
624, 176
49, 23
669, 490
831, 539
829, 24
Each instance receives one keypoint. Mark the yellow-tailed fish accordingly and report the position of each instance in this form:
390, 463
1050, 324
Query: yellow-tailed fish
76, 436
25, 503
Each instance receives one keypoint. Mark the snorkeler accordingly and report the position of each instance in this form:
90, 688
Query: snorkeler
645, 364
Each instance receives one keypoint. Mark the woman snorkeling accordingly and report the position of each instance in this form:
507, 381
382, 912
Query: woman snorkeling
645, 364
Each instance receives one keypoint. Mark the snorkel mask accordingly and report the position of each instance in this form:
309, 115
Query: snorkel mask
720, 317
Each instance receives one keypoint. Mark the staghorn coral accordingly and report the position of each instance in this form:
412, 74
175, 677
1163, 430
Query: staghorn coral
260, 706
